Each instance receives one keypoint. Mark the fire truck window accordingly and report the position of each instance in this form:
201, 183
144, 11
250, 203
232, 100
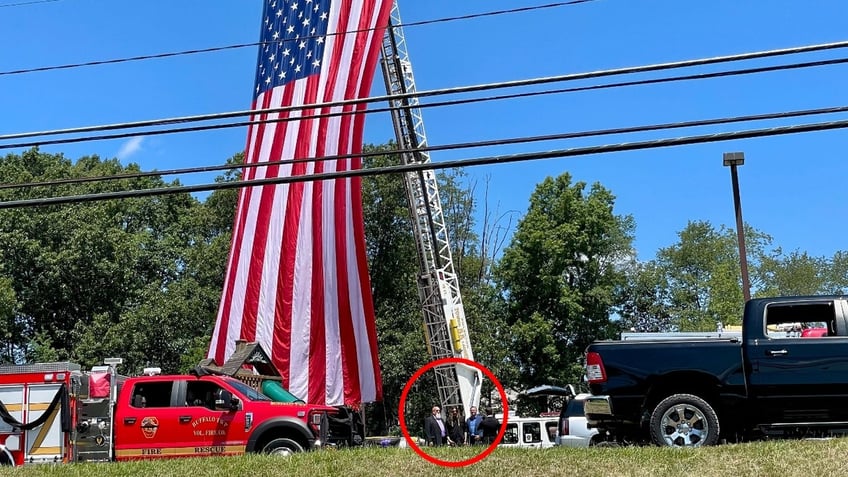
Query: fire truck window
206, 394
152, 394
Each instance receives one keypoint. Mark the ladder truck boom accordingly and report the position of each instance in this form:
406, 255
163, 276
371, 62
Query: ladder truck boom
445, 327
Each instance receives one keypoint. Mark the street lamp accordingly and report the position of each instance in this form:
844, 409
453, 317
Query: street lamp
734, 159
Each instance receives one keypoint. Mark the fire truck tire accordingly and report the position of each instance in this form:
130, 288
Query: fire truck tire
6, 458
282, 446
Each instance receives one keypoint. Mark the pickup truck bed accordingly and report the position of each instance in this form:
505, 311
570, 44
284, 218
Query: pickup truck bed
696, 392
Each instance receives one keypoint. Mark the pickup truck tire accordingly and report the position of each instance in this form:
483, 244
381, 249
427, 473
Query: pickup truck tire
282, 446
684, 420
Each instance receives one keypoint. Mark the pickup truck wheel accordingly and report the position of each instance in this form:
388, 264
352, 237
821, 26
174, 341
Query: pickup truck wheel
282, 446
684, 420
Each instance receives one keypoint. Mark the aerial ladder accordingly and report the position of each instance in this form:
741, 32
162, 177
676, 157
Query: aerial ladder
445, 328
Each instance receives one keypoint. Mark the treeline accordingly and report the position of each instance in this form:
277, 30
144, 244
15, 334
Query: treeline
141, 278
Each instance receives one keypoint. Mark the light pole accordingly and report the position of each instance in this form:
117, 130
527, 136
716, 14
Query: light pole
734, 159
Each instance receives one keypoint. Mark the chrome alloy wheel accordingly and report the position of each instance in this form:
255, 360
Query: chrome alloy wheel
684, 425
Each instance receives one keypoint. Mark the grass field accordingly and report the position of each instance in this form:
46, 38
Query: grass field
777, 458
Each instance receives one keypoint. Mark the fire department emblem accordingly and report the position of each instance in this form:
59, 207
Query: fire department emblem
149, 426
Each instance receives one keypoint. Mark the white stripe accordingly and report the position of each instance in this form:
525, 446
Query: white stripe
367, 380
335, 377
357, 310
334, 386
273, 246
301, 332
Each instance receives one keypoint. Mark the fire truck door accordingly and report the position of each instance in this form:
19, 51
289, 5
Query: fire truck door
45, 443
148, 427
211, 422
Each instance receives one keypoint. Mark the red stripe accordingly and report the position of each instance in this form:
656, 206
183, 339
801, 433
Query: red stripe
356, 194
352, 390
250, 156
317, 335
263, 222
294, 211
318, 332
267, 206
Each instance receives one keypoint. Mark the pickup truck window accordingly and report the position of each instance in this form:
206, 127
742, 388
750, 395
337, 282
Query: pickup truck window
790, 320
207, 394
152, 394
248, 391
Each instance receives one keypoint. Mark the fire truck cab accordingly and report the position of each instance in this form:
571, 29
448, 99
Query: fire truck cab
55, 412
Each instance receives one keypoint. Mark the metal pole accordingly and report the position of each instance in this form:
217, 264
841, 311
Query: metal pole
733, 160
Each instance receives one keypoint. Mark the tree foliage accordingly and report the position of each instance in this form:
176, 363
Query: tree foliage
560, 276
119, 277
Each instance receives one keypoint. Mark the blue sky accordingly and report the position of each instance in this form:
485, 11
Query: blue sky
790, 184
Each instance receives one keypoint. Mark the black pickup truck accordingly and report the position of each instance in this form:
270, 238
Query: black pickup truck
774, 381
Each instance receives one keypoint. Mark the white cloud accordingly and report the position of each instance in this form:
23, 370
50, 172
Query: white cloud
130, 147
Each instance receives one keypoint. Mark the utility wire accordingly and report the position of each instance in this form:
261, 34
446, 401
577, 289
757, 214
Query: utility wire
444, 147
417, 167
669, 79
245, 45
21, 4
442, 91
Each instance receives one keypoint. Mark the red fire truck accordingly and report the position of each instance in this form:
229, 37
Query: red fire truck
55, 412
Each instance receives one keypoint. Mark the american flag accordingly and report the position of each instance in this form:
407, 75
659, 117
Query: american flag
297, 279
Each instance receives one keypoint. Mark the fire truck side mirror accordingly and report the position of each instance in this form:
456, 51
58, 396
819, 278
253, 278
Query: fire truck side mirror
234, 404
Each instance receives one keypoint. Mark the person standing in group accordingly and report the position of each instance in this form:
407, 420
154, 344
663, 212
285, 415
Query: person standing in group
490, 426
455, 428
475, 434
434, 428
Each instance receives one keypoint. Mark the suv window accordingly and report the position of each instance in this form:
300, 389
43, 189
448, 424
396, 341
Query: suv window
511, 434
532, 432
575, 408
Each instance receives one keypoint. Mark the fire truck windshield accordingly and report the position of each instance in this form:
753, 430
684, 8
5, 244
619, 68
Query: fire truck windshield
247, 391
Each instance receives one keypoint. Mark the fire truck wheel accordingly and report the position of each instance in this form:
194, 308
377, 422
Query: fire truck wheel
282, 446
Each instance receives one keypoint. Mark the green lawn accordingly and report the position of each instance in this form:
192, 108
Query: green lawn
779, 458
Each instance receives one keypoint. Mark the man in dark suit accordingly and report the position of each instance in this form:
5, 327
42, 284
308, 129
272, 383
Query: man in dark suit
434, 428
491, 426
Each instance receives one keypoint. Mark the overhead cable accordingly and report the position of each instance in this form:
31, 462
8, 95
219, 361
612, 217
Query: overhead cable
697, 76
405, 168
21, 4
245, 45
443, 147
464, 89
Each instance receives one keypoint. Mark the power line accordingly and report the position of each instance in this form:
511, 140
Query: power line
696, 76
245, 45
453, 90
21, 4
405, 168
454, 146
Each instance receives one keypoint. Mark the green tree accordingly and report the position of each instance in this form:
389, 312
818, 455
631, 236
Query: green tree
105, 278
645, 301
560, 276
703, 274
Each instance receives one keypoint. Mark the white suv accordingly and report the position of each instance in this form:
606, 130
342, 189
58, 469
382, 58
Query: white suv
533, 432
571, 429
572, 424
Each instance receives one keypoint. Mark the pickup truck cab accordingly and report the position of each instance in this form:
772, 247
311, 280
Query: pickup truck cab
686, 393
184, 415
